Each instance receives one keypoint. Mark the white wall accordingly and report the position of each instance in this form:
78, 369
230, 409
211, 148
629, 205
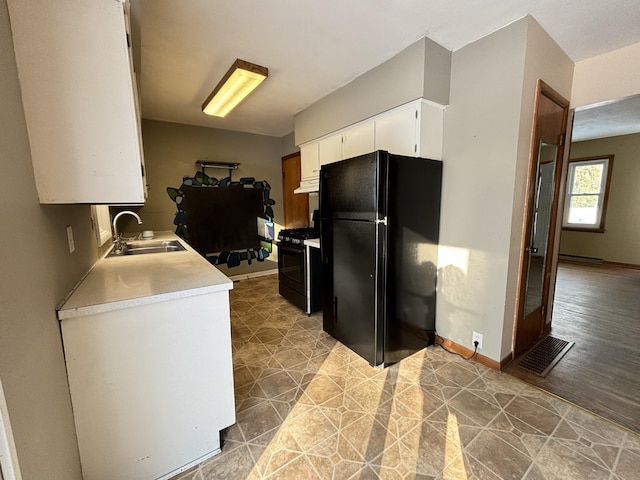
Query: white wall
38, 271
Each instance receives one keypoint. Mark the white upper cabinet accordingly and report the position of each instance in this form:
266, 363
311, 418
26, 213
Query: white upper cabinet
396, 131
414, 130
358, 140
309, 166
330, 149
78, 97
354, 141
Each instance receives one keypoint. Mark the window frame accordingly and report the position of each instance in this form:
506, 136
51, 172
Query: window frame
607, 161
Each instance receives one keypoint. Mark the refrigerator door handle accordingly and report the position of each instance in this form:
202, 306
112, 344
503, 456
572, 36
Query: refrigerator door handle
382, 221
335, 309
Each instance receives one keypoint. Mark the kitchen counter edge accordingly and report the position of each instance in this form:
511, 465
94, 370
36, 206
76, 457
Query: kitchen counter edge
116, 283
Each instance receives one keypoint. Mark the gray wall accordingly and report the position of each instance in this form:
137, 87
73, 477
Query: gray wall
421, 70
621, 241
38, 272
288, 145
171, 150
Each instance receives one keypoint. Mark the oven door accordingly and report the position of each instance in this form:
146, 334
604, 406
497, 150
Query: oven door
291, 271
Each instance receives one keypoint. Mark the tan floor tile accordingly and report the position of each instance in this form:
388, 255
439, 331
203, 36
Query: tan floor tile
559, 462
627, 467
257, 420
473, 407
498, 456
308, 407
233, 465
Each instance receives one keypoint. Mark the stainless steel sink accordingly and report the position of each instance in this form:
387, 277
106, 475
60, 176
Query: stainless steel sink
142, 247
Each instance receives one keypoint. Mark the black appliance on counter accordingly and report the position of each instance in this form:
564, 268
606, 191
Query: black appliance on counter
299, 269
379, 228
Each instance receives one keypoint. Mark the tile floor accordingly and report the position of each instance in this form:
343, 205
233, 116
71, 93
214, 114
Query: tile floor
309, 408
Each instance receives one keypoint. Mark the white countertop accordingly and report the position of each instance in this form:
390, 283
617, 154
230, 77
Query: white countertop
313, 242
132, 280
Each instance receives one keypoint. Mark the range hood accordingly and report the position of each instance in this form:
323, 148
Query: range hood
308, 187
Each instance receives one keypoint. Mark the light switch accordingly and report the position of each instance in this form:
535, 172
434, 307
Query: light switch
72, 245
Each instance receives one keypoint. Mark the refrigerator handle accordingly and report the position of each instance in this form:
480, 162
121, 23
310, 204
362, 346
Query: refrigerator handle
335, 309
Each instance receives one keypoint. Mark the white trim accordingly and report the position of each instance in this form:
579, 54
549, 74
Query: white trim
101, 223
9, 468
571, 169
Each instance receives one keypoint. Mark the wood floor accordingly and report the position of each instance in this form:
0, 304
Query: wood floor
598, 308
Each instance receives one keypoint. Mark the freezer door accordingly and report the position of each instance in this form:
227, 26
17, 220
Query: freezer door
354, 188
354, 315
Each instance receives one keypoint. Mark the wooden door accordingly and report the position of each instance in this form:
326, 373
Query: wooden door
295, 205
545, 168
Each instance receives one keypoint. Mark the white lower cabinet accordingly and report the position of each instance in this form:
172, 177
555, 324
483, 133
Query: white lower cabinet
151, 386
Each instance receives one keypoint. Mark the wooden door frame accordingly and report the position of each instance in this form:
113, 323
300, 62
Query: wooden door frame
541, 89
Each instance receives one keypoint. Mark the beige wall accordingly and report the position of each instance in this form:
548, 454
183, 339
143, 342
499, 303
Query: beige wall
609, 76
38, 271
486, 156
545, 60
421, 70
171, 150
621, 240
481, 132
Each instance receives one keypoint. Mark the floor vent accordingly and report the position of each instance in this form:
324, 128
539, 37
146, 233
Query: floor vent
545, 355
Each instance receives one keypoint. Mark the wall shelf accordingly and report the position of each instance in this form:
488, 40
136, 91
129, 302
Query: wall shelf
226, 165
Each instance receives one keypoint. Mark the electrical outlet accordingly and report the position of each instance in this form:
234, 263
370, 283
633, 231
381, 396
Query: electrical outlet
476, 337
72, 245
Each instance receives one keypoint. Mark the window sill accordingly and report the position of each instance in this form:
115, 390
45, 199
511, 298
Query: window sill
584, 229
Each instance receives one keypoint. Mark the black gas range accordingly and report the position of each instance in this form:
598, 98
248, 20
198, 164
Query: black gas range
299, 269
297, 236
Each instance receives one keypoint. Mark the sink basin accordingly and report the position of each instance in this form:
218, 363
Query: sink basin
139, 248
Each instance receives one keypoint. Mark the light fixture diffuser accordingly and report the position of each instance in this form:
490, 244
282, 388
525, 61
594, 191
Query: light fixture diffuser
241, 79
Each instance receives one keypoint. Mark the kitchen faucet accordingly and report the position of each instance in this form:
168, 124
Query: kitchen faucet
117, 237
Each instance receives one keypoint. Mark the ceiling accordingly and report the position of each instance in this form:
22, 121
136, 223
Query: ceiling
314, 47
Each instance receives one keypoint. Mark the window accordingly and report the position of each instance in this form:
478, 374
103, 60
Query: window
587, 191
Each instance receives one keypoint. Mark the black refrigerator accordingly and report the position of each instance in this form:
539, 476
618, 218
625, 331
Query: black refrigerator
379, 226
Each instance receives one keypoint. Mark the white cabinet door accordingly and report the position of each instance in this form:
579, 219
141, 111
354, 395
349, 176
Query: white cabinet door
309, 165
396, 132
151, 386
331, 149
358, 140
78, 97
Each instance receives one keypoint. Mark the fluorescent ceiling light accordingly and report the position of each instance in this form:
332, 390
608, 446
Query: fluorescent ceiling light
241, 79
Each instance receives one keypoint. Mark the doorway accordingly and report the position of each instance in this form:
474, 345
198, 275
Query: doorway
543, 190
295, 205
